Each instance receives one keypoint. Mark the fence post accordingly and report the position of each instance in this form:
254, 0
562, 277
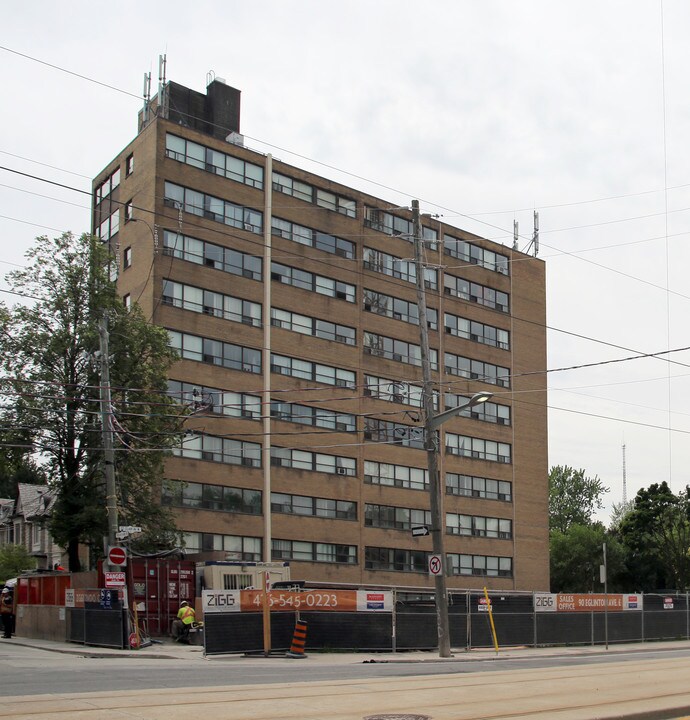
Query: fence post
468, 629
644, 610
394, 617
534, 622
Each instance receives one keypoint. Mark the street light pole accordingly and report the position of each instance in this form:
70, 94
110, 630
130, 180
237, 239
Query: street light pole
431, 423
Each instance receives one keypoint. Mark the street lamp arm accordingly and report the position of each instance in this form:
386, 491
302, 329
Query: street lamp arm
438, 420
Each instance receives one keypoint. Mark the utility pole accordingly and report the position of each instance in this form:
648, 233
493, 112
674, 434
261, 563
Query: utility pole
430, 444
107, 430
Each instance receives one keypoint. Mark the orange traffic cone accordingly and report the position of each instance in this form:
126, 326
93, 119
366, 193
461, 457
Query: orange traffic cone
298, 640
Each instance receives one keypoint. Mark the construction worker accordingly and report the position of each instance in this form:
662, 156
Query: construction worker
183, 622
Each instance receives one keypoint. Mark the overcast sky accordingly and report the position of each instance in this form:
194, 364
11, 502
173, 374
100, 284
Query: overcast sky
484, 111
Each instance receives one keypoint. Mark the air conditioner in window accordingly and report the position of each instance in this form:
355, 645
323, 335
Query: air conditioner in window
247, 413
249, 226
341, 471
341, 252
341, 383
342, 426
248, 462
247, 367
398, 357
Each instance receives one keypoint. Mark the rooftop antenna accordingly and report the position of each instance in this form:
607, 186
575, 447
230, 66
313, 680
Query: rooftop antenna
162, 100
535, 236
625, 486
515, 234
147, 96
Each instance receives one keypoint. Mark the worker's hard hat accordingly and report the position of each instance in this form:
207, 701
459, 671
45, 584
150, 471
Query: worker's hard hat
184, 602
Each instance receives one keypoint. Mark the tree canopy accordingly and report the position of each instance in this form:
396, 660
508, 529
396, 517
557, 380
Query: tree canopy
573, 497
48, 348
657, 534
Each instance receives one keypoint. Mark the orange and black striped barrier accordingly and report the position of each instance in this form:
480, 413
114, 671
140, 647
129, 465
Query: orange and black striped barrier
299, 640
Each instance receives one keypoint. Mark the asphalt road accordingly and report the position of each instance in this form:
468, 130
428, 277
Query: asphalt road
33, 671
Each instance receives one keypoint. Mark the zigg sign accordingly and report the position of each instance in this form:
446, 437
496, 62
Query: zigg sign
560, 602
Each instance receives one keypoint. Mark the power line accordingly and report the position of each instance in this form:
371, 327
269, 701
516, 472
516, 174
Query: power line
70, 72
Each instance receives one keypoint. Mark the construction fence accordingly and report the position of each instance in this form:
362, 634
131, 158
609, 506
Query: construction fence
389, 621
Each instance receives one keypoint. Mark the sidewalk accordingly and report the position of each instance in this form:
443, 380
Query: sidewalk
169, 650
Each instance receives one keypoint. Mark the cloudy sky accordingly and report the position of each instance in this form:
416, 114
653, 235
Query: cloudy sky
485, 111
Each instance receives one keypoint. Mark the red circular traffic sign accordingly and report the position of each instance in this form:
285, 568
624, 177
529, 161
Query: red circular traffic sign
117, 556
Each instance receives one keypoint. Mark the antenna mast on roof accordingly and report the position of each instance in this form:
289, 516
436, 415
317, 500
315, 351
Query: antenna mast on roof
147, 96
515, 234
625, 487
535, 236
162, 100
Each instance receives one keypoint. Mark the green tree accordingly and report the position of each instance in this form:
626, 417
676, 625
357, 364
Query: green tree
48, 349
14, 559
577, 554
657, 534
573, 497
16, 464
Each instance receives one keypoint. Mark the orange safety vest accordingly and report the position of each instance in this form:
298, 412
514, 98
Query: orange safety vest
186, 614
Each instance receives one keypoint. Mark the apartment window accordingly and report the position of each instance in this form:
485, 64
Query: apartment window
313, 283
396, 518
215, 256
488, 565
322, 198
476, 331
200, 446
214, 161
109, 227
129, 165
476, 293
315, 416
306, 370
377, 473
313, 551
235, 547
215, 352
478, 487
313, 238
313, 462
479, 526
178, 493
475, 254
313, 506
313, 326
487, 412
397, 350
378, 558
396, 267
476, 370
398, 309
127, 301
108, 185
395, 391
213, 208
127, 257
478, 448
200, 398
188, 297
391, 433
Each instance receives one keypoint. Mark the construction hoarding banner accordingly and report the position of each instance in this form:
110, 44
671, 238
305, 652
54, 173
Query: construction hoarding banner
223, 601
590, 602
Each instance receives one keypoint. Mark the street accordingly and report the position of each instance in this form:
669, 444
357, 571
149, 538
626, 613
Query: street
648, 682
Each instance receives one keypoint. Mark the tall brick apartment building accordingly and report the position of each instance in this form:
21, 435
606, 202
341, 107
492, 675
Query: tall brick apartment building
292, 302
